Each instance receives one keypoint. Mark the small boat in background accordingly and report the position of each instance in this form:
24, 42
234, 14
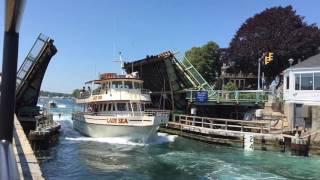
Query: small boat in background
52, 104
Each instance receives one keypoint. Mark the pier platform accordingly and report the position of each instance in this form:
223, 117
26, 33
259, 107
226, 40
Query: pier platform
228, 132
27, 163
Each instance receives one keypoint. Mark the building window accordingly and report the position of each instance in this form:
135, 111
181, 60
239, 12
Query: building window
316, 81
307, 81
287, 83
297, 81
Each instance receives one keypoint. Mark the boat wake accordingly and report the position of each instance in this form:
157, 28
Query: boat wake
61, 105
161, 138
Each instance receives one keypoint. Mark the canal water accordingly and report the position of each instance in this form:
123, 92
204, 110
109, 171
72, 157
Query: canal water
167, 157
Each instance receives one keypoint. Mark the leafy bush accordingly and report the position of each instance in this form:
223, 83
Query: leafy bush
230, 86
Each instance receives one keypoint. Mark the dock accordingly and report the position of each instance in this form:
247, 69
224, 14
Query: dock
267, 134
27, 163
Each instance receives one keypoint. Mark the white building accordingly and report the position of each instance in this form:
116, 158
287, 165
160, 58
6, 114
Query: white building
301, 93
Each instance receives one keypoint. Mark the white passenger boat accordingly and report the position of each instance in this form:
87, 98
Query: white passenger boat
117, 108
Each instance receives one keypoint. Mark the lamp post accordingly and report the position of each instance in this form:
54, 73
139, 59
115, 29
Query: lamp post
13, 16
291, 61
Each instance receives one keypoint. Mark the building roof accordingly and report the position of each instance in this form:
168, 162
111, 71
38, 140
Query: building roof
311, 62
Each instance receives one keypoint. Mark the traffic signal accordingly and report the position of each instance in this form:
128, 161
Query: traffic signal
268, 58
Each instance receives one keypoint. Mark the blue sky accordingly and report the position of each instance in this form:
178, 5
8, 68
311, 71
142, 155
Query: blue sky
89, 33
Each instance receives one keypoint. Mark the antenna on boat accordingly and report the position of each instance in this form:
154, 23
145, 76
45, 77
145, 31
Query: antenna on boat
121, 63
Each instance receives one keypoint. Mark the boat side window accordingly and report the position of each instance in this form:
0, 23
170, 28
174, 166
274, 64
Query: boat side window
128, 84
116, 84
105, 107
135, 106
109, 106
142, 106
100, 107
121, 106
113, 107
129, 107
137, 85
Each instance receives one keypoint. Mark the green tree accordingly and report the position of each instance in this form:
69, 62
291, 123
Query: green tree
76, 93
279, 30
206, 60
230, 86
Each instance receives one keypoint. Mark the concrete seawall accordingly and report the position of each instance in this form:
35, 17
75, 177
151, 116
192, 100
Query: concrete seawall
27, 163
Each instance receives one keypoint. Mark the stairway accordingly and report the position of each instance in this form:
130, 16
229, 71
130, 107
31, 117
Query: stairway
193, 75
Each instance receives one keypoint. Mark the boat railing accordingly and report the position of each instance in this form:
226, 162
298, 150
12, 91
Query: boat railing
145, 91
84, 94
156, 112
87, 94
78, 115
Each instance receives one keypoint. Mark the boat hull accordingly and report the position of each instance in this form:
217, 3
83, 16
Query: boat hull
135, 133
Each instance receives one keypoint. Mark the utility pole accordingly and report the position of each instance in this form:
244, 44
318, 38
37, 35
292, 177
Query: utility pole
259, 69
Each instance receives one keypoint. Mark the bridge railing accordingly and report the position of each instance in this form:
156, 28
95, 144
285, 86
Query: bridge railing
222, 124
240, 96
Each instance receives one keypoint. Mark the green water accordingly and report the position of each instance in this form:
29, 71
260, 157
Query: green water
167, 157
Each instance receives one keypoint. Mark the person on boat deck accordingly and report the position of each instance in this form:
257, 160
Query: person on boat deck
89, 108
96, 109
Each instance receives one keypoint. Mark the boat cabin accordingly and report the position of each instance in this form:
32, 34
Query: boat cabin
115, 93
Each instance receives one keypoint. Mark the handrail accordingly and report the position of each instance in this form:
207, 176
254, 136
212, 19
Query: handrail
255, 96
219, 123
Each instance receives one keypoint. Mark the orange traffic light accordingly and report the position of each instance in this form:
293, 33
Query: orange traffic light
268, 58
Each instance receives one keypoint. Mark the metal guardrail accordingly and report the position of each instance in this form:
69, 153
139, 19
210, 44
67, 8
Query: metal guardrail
8, 165
240, 96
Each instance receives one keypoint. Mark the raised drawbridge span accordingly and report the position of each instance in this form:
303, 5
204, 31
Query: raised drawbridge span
30, 75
